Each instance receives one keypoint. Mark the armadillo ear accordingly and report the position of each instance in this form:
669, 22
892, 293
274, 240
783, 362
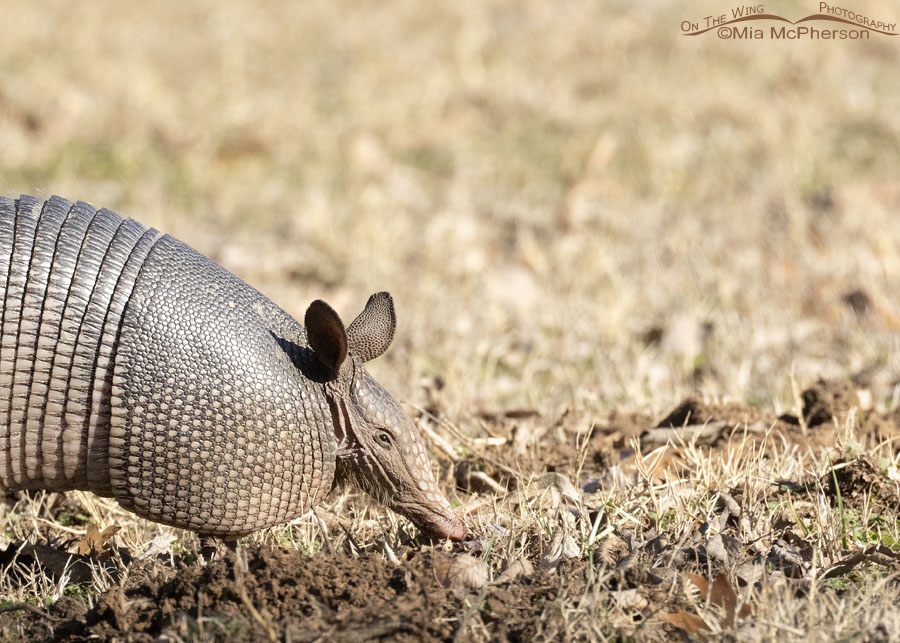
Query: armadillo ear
326, 334
371, 333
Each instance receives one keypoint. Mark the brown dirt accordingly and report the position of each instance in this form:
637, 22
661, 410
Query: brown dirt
826, 401
263, 593
826, 407
858, 481
555, 446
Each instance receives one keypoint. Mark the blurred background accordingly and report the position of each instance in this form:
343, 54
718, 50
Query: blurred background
573, 204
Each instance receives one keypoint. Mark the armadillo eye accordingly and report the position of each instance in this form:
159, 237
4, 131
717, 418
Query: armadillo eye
384, 438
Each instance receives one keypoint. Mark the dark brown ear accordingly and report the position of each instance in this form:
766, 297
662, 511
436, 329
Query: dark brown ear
371, 333
326, 334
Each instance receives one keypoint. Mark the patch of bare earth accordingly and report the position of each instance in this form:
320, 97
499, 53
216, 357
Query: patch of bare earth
263, 593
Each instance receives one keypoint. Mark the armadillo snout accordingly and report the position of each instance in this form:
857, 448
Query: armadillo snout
435, 519
390, 461
456, 531
441, 527
426, 505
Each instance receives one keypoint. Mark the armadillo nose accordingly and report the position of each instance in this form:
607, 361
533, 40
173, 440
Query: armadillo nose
435, 520
458, 531
452, 528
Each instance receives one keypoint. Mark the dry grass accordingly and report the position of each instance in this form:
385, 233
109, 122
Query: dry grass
546, 189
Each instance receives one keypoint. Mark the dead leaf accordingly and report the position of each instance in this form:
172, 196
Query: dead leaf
161, 544
561, 483
461, 572
687, 622
562, 545
721, 594
521, 567
700, 583
629, 599
612, 550
96, 541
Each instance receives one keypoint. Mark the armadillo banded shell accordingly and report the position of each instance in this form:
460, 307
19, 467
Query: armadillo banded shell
133, 366
60, 264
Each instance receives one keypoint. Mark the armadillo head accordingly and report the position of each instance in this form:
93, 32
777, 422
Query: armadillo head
378, 446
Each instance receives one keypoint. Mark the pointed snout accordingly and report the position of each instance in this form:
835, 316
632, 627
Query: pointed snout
444, 528
435, 519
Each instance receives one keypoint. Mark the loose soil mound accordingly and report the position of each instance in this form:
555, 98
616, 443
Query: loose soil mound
264, 594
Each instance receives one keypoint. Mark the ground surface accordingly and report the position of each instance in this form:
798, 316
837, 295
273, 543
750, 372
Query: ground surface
723, 526
648, 292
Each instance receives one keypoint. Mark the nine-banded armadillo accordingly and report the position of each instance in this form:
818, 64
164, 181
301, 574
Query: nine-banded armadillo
134, 367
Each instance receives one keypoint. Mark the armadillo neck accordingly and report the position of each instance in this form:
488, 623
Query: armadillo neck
66, 272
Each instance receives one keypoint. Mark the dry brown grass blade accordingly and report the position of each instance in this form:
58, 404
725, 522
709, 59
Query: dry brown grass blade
265, 623
475, 450
701, 434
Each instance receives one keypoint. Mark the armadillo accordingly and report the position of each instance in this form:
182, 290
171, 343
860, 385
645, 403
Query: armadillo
134, 367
